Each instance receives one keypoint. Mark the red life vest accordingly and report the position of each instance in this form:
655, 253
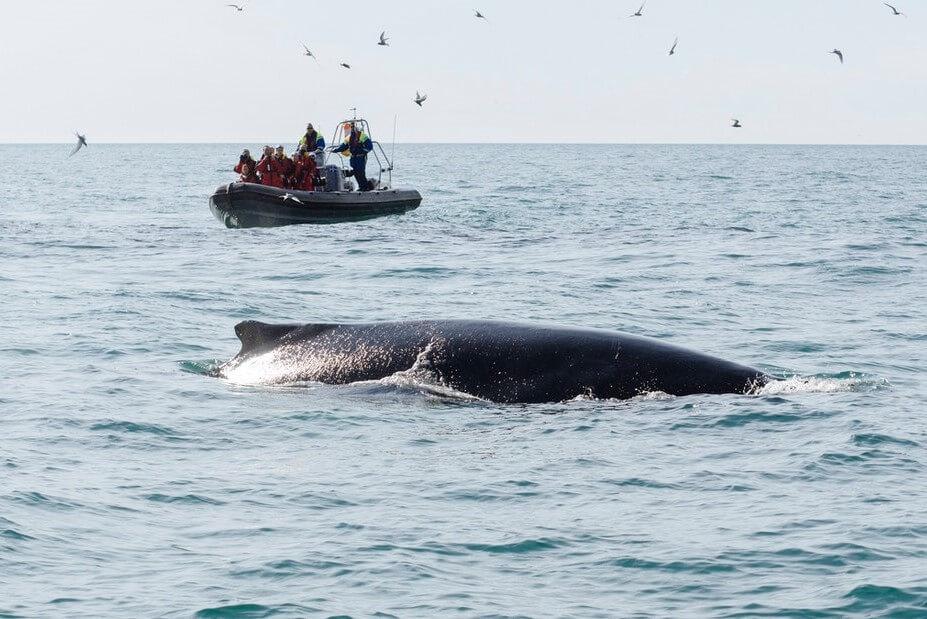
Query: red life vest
305, 173
271, 171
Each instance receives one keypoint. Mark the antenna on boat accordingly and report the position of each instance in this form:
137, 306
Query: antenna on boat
354, 111
392, 155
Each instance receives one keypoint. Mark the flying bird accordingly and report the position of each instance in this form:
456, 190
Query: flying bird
419, 99
640, 11
839, 54
345, 65
384, 41
288, 196
673, 48
894, 10
81, 142
309, 53
736, 123
479, 15
236, 7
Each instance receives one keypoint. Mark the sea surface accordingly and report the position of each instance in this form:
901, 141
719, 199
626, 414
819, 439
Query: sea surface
133, 485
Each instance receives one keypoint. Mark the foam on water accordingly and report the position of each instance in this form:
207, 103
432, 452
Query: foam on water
820, 384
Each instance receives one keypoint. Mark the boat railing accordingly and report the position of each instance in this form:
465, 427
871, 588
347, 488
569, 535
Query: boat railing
384, 165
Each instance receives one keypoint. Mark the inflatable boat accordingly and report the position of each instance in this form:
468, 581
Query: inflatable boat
246, 205
249, 205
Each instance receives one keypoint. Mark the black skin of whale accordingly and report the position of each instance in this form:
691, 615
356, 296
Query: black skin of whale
497, 361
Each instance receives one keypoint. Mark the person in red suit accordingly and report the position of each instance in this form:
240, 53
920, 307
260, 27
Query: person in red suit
287, 167
271, 169
305, 171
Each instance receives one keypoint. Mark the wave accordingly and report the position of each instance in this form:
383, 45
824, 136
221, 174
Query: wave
131, 427
15, 535
188, 499
254, 611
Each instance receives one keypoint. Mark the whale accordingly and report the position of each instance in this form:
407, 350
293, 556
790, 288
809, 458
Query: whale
504, 362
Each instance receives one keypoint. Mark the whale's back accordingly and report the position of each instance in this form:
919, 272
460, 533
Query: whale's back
498, 361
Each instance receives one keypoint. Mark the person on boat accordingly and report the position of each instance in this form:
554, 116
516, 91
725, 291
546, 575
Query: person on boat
304, 177
270, 169
314, 143
312, 139
247, 173
287, 167
245, 159
358, 144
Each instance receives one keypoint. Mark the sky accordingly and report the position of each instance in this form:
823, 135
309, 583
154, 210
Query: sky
535, 71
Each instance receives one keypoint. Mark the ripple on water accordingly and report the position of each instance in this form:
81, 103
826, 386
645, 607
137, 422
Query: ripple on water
886, 601
874, 440
185, 499
255, 611
130, 427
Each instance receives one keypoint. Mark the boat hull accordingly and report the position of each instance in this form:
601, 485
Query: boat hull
247, 205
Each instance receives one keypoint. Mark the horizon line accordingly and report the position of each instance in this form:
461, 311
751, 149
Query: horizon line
468, 143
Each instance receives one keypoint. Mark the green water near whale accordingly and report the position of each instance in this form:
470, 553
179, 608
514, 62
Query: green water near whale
133, 485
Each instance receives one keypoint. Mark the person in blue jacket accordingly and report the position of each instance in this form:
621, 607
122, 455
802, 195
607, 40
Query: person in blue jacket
312, 139
358, 144
314, 143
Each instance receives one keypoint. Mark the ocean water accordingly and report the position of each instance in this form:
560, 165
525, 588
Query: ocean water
132, 485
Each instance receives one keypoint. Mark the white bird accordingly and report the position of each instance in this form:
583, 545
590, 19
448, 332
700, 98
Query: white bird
894, 10
81, 142
288, 196
384, 41
736, 123
309, 53
839, 54
419, 99
673, 48
236, 7
640, 11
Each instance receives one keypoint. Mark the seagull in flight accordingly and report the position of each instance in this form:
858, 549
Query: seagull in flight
673, 48
288, 196
236, 7
309, 53
384, 40
479, 15
894, 10
736, 123
839, 54
81, 142
419, 99
345, 65
640, 11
